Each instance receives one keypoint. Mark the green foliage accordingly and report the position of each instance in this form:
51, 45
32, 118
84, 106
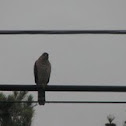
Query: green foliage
16, 114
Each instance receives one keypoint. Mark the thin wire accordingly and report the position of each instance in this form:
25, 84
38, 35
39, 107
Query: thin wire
86, 102
69, 102
18, 102
11, 32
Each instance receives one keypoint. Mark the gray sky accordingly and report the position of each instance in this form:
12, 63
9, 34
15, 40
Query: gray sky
75, 59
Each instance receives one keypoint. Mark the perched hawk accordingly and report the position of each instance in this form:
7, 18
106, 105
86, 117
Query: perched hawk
42, 70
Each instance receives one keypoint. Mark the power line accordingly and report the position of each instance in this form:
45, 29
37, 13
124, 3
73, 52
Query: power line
11, 102
86, 102
85, 88
63, 88
12, 32
68, 102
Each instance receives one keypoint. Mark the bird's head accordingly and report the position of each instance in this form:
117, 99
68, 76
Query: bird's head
45, 56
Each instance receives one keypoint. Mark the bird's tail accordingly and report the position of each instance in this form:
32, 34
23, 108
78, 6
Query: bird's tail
41, 95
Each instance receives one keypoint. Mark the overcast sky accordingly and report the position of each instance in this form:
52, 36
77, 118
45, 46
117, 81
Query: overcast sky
75, 59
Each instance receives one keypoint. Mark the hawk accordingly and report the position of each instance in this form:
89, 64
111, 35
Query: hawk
42, 70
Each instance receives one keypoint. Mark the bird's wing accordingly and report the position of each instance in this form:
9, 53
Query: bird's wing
49, 72
35, 73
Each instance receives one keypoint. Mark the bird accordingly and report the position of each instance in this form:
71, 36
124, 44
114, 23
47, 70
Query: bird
42, 71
